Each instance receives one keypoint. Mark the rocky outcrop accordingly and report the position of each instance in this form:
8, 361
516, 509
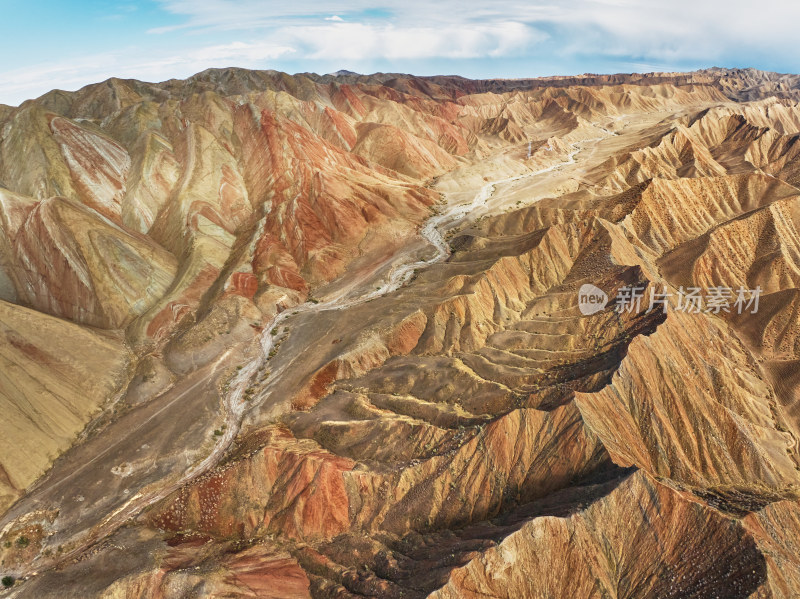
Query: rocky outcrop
221, 247
631, 543
71, 262
55, 376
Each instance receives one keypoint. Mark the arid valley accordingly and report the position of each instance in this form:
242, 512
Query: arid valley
280, 336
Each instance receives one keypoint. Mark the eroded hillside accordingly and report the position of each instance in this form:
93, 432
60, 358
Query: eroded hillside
290, 336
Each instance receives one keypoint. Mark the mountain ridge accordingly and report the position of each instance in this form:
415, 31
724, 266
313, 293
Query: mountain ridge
332, 343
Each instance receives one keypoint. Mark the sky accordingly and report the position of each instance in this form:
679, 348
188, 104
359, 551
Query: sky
66, 44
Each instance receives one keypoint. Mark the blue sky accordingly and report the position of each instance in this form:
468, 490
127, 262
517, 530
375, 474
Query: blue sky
66, 44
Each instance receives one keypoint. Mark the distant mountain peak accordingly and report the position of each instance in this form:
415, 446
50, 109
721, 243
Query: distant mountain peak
343, 72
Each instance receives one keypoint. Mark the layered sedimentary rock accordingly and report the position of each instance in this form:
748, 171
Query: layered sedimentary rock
599, 551
55, 375
71, 262
306, 398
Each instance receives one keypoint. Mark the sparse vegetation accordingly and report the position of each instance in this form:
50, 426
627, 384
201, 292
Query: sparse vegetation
23, 541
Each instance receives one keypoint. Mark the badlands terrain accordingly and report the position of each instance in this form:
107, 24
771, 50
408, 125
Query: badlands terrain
282, 336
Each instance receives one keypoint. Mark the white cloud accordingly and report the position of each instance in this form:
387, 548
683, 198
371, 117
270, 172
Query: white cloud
30, 82
703, 30
357, 41
362, 34
241, 51
644, 29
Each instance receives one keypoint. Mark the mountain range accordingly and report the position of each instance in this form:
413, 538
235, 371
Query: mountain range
271, 335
